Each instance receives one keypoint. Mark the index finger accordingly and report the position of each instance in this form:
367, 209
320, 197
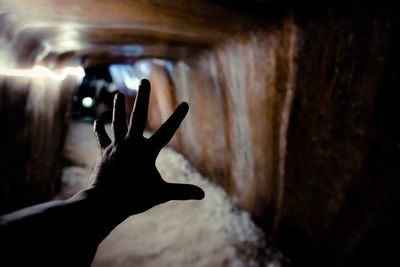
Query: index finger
164, 134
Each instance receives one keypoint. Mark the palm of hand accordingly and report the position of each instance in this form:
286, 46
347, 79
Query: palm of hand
126, 174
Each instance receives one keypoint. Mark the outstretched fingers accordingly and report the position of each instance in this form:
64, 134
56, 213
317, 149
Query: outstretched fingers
119, 118
139, 113
164, 134
102, 138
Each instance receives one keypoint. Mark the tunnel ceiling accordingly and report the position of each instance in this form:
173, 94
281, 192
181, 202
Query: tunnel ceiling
107, 30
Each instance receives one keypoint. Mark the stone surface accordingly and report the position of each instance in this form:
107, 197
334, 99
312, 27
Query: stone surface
330, 197
34, 114
239, 96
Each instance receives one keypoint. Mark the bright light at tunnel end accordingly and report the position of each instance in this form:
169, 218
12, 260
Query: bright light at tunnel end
39, 71
87, 102
132, 83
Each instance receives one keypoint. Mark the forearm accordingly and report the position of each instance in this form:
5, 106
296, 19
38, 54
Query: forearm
69, 229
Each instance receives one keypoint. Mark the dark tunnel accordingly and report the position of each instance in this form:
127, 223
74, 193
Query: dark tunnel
293, 130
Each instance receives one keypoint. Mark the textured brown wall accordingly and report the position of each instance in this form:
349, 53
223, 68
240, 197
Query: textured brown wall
310, 171
341, 181
34, 114
240, 95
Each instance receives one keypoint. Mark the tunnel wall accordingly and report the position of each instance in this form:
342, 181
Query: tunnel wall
341, 178
240, 96
318, 172
34, 114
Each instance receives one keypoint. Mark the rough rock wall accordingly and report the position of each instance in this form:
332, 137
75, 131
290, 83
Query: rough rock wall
341, 180
318, 172
240, 96
34, 114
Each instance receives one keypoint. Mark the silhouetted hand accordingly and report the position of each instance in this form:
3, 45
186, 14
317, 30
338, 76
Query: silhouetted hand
125, 182
126, 176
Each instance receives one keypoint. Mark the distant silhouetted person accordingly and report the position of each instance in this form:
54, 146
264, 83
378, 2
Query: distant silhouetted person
125, 181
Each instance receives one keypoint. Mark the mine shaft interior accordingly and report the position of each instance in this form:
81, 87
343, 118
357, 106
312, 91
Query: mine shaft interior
293, 130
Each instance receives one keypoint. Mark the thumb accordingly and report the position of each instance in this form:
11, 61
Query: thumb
183, 192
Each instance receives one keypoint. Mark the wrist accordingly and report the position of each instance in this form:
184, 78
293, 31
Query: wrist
101, 214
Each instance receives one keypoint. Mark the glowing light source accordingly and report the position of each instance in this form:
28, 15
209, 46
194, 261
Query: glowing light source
132, 83
87, 102
143, 67
39, 71
124, 77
